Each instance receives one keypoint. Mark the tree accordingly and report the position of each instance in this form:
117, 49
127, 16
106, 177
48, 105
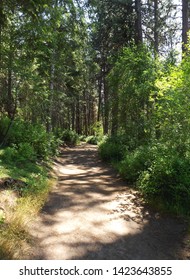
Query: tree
185, 23
138, 23
45, 64
160, 25
114, 24
133, 78
156, 26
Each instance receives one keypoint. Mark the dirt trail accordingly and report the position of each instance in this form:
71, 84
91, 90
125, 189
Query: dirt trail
92, 214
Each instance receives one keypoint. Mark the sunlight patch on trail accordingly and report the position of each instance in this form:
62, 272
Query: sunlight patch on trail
74, 229
69, 170
78, 229
82, 218
91, 214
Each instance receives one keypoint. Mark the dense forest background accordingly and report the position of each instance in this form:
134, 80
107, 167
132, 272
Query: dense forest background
111, 71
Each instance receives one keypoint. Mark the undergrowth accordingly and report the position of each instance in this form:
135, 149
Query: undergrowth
160, 170
69, 137
14, 238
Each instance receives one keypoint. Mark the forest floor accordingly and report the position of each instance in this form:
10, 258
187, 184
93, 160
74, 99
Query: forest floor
91, 214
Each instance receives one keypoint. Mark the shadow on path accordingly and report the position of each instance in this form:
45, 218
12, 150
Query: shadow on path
92, 214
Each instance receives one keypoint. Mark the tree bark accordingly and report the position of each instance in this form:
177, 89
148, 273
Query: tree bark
10, 100
138, 23
1, 24
99, 98
156, 43
115, 109
78, 126
72, 113
106, 105
185, 25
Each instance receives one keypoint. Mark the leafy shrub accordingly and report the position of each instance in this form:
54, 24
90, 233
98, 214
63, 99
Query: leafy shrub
24, 152
92, 140
161, 170
9, 155
40, 143
82, 138
168, 178
37, 183
97, 129
70, 137
134, 163
96, 139
19, 131
111, 150
4, 123
55, 145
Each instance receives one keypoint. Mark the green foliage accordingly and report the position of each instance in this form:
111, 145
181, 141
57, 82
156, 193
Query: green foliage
150, 104
50, 73
70, 137
168, 178
161, 169
47, 65
97, 129
32, 196
132, 82
29, 140
112, 149
94, 139
82, 138
134, 163
37, 182
26, 152
4, 124
158, 170
22, 153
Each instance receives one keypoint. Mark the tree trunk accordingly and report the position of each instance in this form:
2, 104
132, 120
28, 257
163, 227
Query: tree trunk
10, 99
72, 113
78, 127
9, 93
85, 113
99, 98
115, 109
1, 24
51, 87
156, 43
138, 23
106, 107
185, 25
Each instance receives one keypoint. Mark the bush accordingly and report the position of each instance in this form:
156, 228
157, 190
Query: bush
111, 150
161, 170
97, 129
4, 123
40, 143
70, 137
82, 138
9, 154
168, 178
134, 163
92, 140
44, 143
24, 152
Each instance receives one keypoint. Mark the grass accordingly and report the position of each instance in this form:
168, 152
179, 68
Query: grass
14, 238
